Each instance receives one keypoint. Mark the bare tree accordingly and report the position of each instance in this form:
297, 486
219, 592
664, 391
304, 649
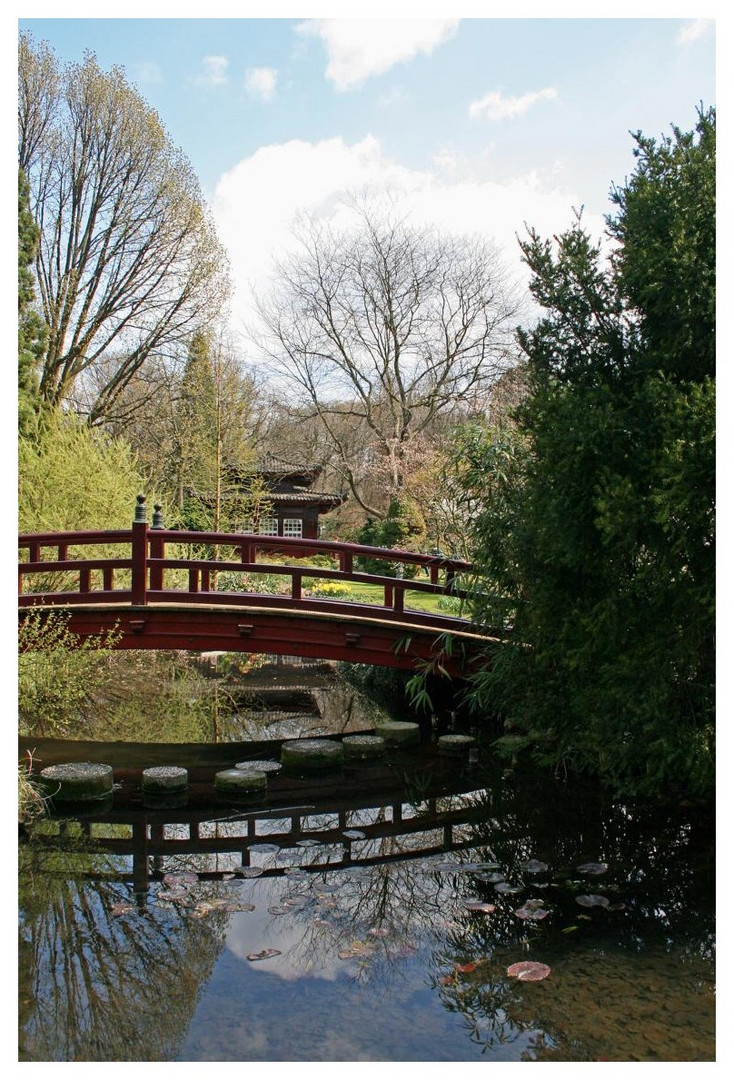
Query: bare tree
382, 328
128, 262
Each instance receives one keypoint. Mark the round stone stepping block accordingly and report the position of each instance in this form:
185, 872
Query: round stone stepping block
240, 783
455, 744
398, 733
363, 747
165, 779
77, 781
312, 754
259, 766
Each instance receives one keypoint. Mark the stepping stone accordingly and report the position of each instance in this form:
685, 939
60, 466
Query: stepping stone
240, 784
312, 754
363, 747
455, 744
165, 779
79, 781
398, 733
259, 766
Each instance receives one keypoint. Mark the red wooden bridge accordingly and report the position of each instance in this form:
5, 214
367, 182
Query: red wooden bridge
155, 588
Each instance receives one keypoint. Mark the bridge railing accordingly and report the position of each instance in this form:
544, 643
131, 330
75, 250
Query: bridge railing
151, 564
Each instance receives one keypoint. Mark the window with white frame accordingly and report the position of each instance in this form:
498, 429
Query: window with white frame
292, 526
268, 526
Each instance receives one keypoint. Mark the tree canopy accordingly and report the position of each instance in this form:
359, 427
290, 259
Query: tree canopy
381, 327
128, 263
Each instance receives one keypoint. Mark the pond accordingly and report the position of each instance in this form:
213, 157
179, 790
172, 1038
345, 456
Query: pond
374, 916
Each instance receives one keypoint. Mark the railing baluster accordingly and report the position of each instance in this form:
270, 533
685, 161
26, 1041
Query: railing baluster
108, 578
84, 579
139, 583
296, 584
205, 580
193, 579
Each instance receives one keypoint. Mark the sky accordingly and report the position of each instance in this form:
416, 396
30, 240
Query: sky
476, 124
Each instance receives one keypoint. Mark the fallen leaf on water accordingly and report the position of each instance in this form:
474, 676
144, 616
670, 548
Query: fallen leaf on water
569, 929
480, 905
465, 968
529, 971
505, 887
534, 866
264, 955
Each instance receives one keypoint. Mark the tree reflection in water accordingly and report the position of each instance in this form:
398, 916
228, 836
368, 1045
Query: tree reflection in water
96, 986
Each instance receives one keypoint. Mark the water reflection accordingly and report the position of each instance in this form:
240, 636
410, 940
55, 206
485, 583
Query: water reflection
341, 931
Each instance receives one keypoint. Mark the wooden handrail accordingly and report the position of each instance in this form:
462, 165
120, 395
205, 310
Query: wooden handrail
147, 559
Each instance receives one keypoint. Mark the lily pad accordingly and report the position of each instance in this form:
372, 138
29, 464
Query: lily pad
595, 868
592, 901
354, 834
529, 971
173, 895
492, 878
505, 887
121, 908
534, 866
264, 955
532, 914
480, 905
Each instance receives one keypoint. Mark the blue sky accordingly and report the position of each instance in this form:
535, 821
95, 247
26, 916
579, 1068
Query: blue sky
478, 124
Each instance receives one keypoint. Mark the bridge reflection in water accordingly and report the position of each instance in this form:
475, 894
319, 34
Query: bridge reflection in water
423, 815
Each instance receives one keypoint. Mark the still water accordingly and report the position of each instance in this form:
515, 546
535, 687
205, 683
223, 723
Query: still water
372, 917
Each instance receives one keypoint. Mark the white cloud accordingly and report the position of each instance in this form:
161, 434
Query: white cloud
694, 30
213, 71
256, 202
360, 48
495, 107
260, 83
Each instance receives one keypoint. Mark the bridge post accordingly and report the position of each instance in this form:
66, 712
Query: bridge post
157, 548
139, 554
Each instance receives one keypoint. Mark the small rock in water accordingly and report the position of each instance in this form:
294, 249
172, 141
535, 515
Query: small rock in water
251, 871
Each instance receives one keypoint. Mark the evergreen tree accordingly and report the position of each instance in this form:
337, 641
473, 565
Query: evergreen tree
597, 524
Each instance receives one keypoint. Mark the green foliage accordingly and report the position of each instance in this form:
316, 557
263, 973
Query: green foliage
57, 677
403, 528
596, 528
71, 477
